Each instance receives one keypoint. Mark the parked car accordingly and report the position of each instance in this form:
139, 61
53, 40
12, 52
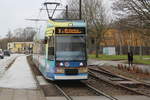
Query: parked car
1, 54
6, 53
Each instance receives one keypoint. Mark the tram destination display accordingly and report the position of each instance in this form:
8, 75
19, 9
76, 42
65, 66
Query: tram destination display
70, 30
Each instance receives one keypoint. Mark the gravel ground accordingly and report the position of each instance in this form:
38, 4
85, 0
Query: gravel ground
125, 73
107, 87
141, 88
50, 90
76, 88
33, 66
138, 87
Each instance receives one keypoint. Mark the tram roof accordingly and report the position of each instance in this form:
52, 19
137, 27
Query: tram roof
67, 20
66, 23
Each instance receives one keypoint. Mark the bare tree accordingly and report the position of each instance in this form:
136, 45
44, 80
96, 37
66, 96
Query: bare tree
24, 34
28, 33
140, 9
9, 35
94, 12
19, 35
136, 14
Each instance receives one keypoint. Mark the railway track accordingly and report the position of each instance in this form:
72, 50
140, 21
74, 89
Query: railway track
81, 86
129, 84
60, 90
64, 93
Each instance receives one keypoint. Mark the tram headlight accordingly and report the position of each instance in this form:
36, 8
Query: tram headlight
81, 64
61, 64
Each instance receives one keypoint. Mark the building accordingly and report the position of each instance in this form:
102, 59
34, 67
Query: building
20, 47
122, 41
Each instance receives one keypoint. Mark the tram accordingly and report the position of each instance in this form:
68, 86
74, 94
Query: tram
61, 54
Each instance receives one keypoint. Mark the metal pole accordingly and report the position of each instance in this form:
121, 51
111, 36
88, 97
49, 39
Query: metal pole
80, 9
54, 11
67, 12
48, 12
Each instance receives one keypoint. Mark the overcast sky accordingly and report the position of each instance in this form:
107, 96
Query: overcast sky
14, 12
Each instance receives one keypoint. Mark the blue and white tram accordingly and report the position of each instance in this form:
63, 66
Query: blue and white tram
62, 55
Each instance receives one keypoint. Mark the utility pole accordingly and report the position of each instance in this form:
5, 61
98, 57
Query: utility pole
80, 9
66, 11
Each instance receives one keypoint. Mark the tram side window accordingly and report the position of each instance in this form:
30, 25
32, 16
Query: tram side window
51, 48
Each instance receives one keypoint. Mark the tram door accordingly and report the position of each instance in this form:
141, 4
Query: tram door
51, 56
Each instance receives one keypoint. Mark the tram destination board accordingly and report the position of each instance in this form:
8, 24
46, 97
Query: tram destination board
70, 30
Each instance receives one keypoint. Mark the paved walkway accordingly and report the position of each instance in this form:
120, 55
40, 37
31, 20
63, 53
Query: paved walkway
21, 94
18, 82
19, 75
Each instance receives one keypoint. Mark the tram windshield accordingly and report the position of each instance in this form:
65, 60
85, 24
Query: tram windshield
70, 48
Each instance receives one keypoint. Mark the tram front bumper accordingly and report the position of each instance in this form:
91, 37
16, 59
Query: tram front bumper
70, 77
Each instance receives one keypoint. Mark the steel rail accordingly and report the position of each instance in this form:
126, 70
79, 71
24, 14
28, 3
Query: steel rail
125, 87
88, 86
143, 82
105, 72
100, 92
62, 91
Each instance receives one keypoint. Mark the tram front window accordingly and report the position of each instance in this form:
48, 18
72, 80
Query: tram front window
70, 48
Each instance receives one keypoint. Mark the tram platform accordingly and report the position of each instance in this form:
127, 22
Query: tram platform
18, 83
21, 94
